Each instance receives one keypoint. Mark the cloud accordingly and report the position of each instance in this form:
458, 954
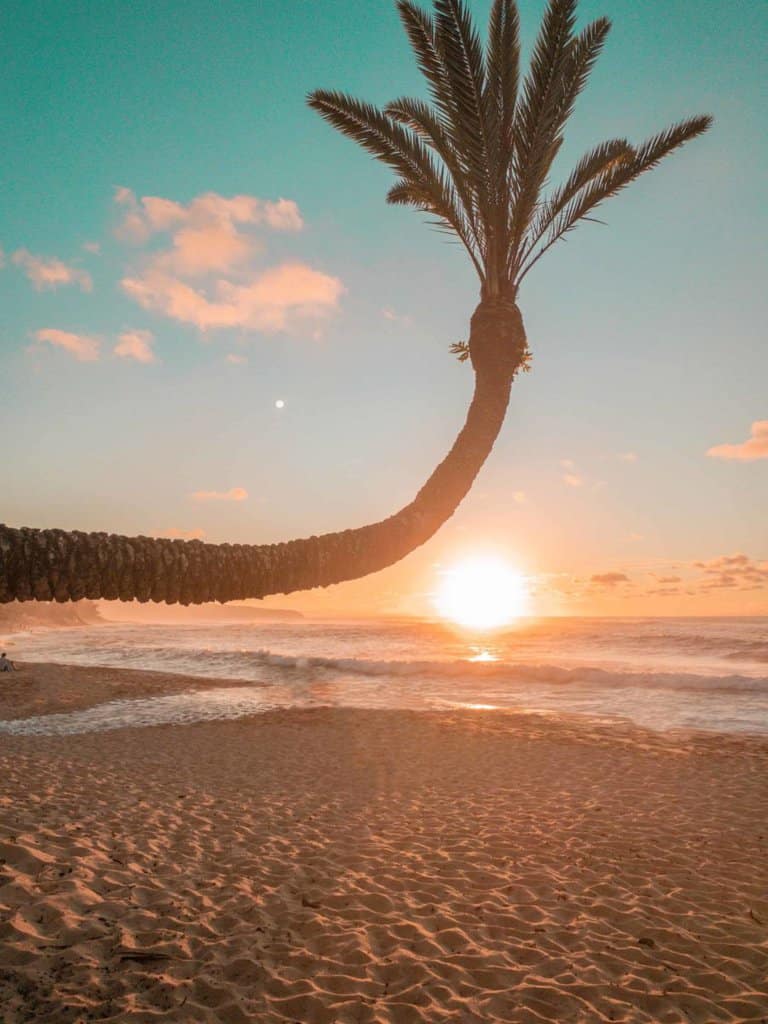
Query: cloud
739, 562
520, 497
755, 447
271, 301
609, 579
209, 219
627, 457
51, 273
92, 247
81, 346
175, 534
236, 360
391, 315
731, 571
136, 345
571, 477
233, 494
205, 276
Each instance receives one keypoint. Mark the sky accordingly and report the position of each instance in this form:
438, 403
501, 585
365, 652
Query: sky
213, 326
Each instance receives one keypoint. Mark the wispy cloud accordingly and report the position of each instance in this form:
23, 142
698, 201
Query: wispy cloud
236, 360
233, 494
94, 248
609, 579
573, 479
51, 273
731, 572
81, 346
136, 345
755, 447
213, 236
399, 318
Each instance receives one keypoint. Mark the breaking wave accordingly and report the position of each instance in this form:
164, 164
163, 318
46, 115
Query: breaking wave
514, 673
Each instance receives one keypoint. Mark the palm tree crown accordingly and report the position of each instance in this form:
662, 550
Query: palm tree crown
478, 158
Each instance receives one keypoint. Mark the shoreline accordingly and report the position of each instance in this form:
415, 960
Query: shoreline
53, 688
48, 688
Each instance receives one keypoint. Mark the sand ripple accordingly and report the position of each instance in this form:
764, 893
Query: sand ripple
331, 867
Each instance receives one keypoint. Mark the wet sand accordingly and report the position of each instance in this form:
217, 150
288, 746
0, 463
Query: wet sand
376, 866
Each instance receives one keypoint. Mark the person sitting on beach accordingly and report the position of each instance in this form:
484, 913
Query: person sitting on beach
6, 665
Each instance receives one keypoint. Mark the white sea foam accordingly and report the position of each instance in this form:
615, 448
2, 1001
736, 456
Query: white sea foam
703, 674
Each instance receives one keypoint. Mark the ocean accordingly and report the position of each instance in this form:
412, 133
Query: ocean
665, 674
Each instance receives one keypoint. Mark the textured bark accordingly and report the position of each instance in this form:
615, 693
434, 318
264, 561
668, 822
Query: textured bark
59, 565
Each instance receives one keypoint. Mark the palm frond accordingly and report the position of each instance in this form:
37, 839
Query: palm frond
420, 30
615, 178
442, 202
502, 71
535, 144
594, 163
462, 54
422, 119
582, 54
387, 140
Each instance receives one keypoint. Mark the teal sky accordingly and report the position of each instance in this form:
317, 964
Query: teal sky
648, 334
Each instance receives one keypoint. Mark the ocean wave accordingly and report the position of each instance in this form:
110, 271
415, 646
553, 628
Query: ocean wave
513, 673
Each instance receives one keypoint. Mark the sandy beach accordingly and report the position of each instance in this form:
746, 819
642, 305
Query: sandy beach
376, 866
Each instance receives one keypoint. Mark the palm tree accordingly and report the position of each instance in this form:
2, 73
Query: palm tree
477, 161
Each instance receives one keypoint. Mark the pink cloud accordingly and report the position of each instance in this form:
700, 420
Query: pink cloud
51, 273
82, 347
92, 247
175, 534
136, 345
210, 238
271, 301
609, 579
573, 480
755, 447
152, 214
233, 494
237, 360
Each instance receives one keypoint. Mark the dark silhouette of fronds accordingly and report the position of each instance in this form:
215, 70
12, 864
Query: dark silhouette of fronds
478, 157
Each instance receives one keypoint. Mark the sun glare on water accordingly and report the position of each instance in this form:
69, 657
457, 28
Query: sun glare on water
481, 593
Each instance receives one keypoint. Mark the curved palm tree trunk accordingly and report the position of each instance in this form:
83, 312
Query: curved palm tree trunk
47, 565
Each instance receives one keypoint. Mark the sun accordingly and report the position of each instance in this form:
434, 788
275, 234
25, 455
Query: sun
481, 593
